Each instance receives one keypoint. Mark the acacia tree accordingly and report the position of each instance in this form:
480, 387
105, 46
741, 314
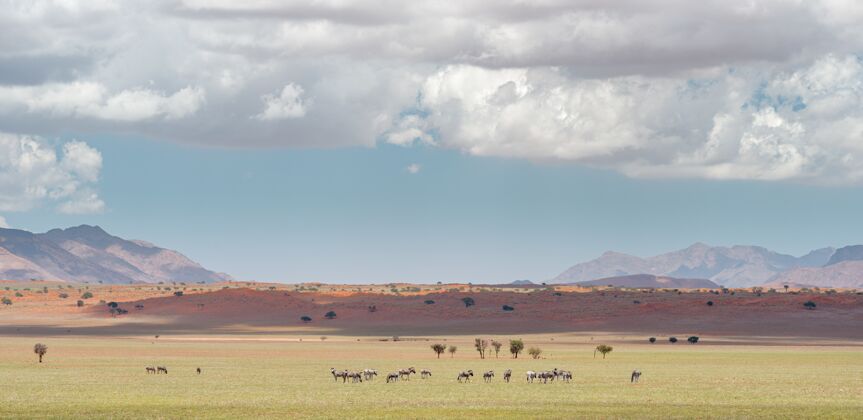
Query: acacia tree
515, 347
40, 349
481, 345
438, 349
452, 350
496, 344
604, 349
534, 352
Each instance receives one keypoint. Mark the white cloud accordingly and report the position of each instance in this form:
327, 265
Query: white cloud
763, 89
32, 173
413, 168
3, 223
288, 104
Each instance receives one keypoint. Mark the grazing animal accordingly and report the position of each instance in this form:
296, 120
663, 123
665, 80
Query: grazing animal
636, 375
530, 376
488, 376
369, 374
199, 370
465, 374
161, 369
544, 376
355, 377
339, 374
566, 375
393, 377
507, 374
150, 369
406, 373
425, 373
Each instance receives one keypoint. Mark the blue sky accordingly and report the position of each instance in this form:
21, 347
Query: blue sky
435, 141
357, 214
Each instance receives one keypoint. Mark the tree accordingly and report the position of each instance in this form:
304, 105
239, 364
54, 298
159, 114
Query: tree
786, 288
452, 350
438, 349
672, 340
692, 340
515, 347
652, 340
534, 352
497, 345
481, 345
604, 349
330, 315
468, 302
86, 295
809, 305
40, 349
306, 318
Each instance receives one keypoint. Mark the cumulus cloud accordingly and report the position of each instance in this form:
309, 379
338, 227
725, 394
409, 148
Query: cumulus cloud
288, 104
3, 223
413, 168
32, 172
763, 89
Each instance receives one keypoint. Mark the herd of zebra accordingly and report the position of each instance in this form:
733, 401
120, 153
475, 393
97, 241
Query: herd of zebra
463, 376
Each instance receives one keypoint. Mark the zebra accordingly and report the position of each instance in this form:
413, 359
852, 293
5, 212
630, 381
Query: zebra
507, 374
566, 375
406, 373
530, 376
487, 377
394, 377
369, 374
465, 374
355, 377
425, 373
636, 374
160, 369
339, 374
150, 369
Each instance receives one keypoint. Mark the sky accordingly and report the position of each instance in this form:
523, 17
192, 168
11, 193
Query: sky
387, 141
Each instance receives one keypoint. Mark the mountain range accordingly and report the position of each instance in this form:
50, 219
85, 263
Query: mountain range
735, 266
89, 254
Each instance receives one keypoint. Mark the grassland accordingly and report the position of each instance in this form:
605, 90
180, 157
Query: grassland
94, 377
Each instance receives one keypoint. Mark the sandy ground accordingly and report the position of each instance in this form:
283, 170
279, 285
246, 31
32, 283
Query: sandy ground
401, 310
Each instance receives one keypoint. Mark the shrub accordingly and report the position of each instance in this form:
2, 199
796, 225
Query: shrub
468, 302
63, 295
306, 318
452, 350
18, 294
330, 315
80, 303
692, 340
6, 301
652, 340
809, 305
534, 352
86, 295
112, 304
672, 340
636, 302
508, 308
429, 302
709, 303
178, 294
558, 294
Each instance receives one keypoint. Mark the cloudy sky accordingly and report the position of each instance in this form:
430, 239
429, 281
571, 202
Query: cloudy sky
424, 141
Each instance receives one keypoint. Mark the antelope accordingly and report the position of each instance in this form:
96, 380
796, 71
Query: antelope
507, 374
160, 369
636, 374
406, 373
425, 373
150, 369
465, 375
487, 377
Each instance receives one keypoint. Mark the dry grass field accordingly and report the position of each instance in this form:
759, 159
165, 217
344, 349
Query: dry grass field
260, 361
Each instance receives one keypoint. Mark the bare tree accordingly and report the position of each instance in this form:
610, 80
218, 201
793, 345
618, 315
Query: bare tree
481, 345
40, 349
438, 349
496, 344
452, 350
